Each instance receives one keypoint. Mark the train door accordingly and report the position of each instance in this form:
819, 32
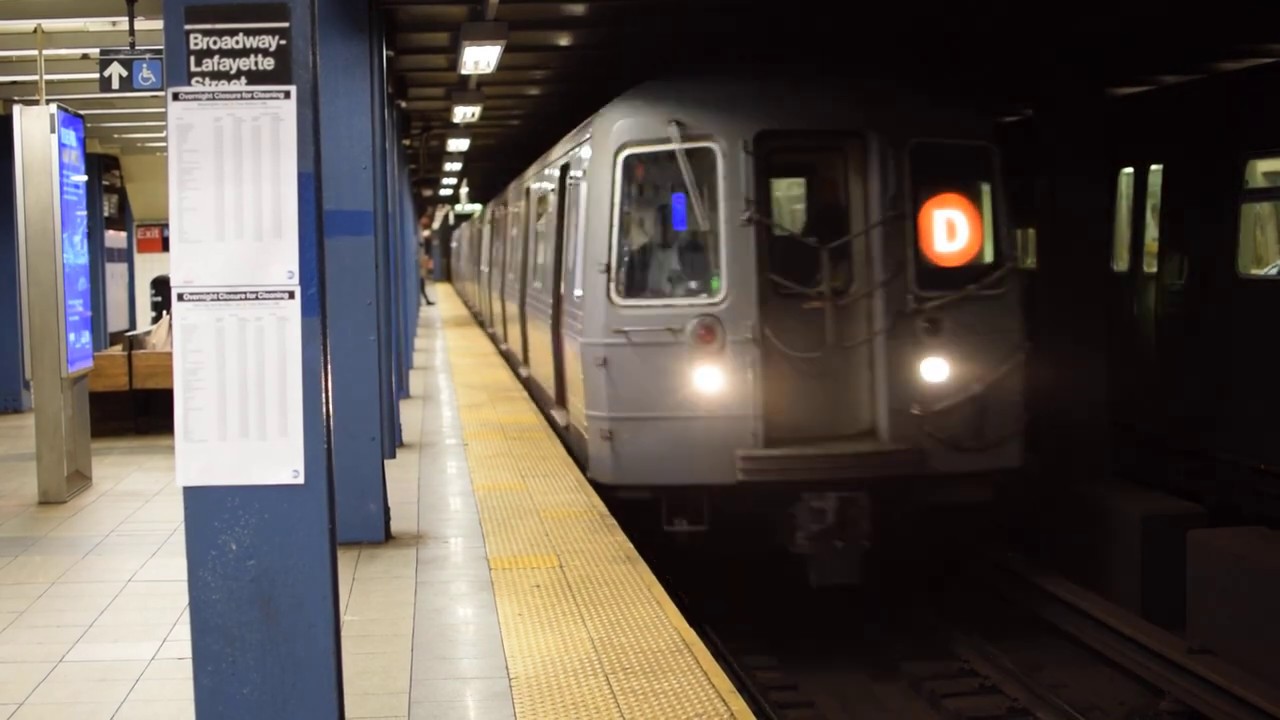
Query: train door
557, 291
512, 287
571, 292
525, 242
815, 307
497, 272
1135, 261
482, 279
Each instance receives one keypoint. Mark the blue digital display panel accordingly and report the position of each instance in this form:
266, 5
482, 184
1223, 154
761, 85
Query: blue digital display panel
679, 212
73, 186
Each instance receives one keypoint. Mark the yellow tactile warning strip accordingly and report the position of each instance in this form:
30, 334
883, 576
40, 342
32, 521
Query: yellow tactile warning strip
588, 631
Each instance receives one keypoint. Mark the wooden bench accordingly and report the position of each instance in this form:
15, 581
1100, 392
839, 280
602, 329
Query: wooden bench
131, 388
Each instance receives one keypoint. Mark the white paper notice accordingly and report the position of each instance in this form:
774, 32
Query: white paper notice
233, 186
237, 383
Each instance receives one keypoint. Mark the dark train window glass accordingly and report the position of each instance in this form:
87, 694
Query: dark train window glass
1026, 240
954, 213
1258, 251
1151, 220
1122, 233
808, 198
1262, 173
667, 243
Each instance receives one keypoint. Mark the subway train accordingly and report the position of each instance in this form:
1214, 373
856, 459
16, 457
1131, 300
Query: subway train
717, 287
1189, 264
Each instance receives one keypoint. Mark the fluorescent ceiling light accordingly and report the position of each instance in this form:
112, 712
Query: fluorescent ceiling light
448, 181
155, 144
480, 47
452, 163
467, 207
457, 143
49, 77
121, 111
446, 192
80, 24
140, 135
50, 52
140, 123
96, 96
467, 105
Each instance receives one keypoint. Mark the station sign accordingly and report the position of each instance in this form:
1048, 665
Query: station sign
125, 70
949, 230
239, 45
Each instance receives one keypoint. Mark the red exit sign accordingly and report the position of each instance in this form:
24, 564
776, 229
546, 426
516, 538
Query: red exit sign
153, 238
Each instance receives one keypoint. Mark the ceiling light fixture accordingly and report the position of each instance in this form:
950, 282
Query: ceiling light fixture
480, 46
457, 143
467, 105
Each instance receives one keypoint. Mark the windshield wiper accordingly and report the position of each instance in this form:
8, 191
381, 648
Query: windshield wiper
686, 173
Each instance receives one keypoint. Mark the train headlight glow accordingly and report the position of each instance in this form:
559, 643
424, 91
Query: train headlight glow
708, 379
934, 369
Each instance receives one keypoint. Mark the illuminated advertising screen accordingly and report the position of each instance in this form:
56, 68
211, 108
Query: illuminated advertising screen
73, 197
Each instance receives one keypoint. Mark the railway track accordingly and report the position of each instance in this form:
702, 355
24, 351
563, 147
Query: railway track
999, 640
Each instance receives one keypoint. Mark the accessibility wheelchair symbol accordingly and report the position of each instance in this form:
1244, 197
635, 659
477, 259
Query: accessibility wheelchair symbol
147, 74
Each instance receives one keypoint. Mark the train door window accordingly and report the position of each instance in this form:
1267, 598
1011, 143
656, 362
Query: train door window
572, 232
1026, 240
542, 227
953, 196
667, 240
1122, 233
1151, 220
809, 197
788, 203
1258, 246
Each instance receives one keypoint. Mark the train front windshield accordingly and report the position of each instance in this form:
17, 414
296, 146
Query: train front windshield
953, 200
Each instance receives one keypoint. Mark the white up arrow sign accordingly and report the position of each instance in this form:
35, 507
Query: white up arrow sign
115, 72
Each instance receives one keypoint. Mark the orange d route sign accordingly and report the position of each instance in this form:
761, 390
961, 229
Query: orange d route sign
949, 230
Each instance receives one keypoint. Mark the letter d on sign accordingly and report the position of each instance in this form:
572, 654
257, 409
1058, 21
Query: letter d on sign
949, 230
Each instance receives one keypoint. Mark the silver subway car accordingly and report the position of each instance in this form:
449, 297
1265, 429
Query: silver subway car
748, 282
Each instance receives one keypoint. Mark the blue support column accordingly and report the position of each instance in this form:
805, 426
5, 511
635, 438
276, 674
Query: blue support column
379, 108
262, 561
15, 396
127, 211
97, 250
346, 80
412, 273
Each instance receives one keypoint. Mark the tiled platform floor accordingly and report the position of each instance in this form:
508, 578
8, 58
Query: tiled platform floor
93, 593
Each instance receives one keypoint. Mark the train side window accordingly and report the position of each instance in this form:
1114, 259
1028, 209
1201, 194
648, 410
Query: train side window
666, 233
1258, 239
1122, 234
1151, 220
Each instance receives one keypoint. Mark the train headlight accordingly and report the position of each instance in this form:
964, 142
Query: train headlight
708, 379
934, 369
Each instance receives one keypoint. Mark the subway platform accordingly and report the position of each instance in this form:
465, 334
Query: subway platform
509, 591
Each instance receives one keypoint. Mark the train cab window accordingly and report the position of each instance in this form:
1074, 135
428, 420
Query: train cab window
1151, 221
953, 199
667, 226
1258, 247
1122, 234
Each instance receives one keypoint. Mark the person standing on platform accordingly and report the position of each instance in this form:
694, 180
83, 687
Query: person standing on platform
425, 267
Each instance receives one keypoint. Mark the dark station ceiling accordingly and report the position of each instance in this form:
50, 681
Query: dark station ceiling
564, 60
